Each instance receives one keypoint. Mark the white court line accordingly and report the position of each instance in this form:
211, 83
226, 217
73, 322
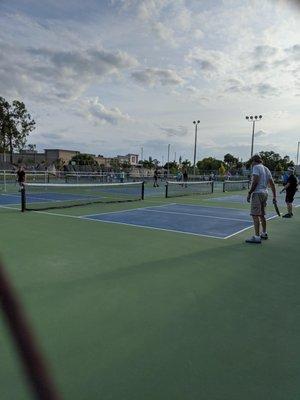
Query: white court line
123, 211
11, 194
242, 230
198, 215
32, 197
209, 206
152, 227
83, 216
56, 214
11, 208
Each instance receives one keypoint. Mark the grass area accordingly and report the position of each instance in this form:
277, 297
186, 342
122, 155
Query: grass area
129, 313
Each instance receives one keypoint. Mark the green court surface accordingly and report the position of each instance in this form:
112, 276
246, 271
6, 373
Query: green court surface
126, 313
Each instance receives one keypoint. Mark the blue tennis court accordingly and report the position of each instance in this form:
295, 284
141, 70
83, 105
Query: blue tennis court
10, 199
242, 199
70, 195
216, 222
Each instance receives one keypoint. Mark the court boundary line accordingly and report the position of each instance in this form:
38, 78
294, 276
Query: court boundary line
197, 215
242, 230
10, 208
130, 209
151, 227
201, 205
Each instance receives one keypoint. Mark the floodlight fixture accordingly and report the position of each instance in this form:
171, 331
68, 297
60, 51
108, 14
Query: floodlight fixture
253, 119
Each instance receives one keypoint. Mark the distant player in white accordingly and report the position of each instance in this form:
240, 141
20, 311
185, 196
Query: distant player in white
258, 195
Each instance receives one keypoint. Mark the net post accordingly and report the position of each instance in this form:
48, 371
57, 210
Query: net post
143, 190
23, 199
224, 186
4, 180
166, 189
212, 186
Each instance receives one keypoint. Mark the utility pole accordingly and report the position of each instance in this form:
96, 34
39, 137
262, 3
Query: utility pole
168, 160
196, 123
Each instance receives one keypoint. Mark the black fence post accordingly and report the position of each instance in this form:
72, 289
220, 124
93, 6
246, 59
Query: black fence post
143, 190
23, 199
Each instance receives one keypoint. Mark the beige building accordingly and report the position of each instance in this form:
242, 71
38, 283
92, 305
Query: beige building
53, 155
25, 156
63, 157
133, 159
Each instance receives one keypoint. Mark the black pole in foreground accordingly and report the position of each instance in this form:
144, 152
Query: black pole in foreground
23, 199
143, 190
32, 360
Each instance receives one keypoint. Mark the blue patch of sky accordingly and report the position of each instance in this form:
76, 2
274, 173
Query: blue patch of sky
57, 9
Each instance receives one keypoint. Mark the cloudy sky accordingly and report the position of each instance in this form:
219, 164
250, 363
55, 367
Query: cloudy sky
114, 76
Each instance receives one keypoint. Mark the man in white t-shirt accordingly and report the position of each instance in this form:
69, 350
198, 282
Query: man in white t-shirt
258, 195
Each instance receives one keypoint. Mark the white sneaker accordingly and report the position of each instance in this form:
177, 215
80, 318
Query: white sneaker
264, 236
253, 239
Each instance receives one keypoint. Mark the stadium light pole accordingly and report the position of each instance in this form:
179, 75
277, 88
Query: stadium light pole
253, 119
168, 160
297, 163
196, 123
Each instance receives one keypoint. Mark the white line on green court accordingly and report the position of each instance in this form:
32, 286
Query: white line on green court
128, 210
197, 215
242, 230
151, 227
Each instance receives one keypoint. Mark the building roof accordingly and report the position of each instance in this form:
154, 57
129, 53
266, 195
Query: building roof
68, 151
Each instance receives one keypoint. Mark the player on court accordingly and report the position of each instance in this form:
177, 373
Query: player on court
258, 195
290, 188
21, 176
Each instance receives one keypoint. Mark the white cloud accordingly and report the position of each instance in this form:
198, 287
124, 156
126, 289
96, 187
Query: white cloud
155, 76
209, 63
264, 51
164, 33
49, 74
180, 131
198, 34
261, 133
98, 113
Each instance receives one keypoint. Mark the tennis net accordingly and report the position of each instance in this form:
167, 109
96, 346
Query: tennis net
229, 186
39, 196
8, 179
176, 189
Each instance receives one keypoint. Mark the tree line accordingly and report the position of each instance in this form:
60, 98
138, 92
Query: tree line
229, 163
15, 125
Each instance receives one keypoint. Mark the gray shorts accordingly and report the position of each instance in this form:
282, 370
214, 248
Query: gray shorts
258, 204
